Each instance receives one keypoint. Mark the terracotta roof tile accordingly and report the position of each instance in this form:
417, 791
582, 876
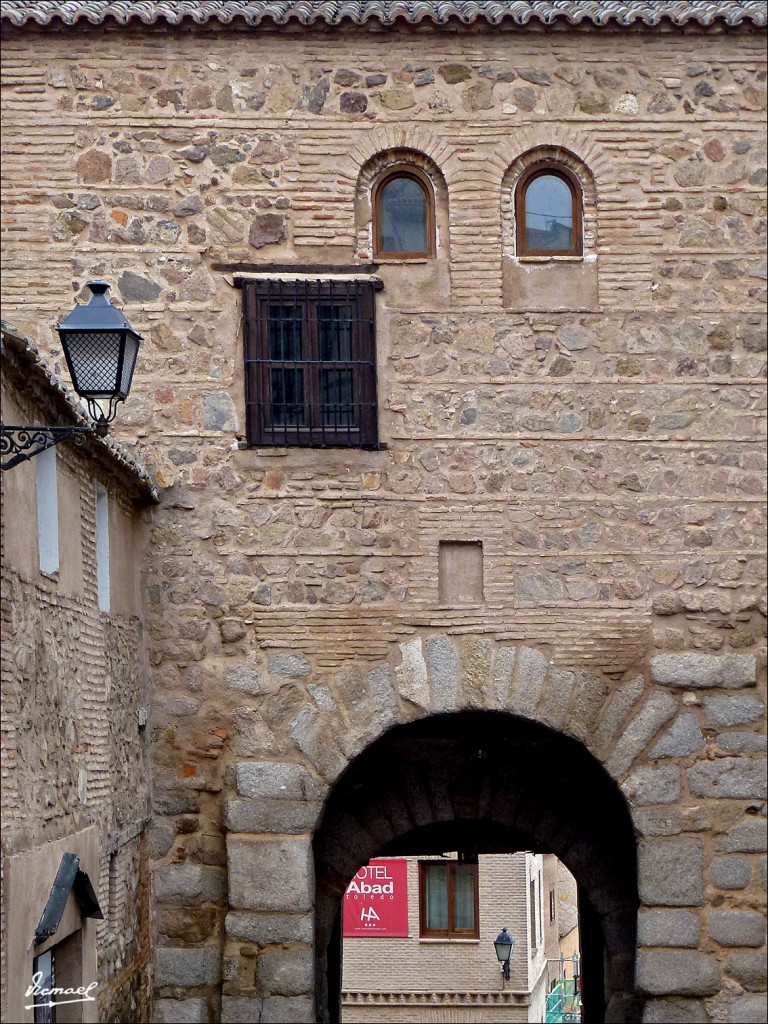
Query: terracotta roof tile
332, 12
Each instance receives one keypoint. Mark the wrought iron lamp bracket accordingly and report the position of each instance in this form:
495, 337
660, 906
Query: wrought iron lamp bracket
17, 444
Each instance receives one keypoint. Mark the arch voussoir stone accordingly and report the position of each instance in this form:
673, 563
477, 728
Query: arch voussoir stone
442, 663
381, 688
530, 672
554, 706
589, 696
314, 733
616, 712
395, 806
476, 654
652, 716
503, 675
416, 796
374, 822
441, 804
412, 679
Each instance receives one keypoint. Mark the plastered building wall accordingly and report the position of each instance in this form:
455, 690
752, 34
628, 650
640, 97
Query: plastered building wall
75, 765
597, 428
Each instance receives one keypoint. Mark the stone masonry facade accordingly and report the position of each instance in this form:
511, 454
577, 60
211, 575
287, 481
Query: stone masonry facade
597, 426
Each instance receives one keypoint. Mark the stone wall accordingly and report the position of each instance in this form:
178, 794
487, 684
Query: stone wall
74, 679
600, 440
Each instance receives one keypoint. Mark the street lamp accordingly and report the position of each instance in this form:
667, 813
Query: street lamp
503, 944
100, 348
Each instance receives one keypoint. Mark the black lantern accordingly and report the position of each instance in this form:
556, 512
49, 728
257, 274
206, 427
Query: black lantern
101, 348
503, 944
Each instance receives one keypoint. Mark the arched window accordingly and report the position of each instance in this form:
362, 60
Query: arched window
404, 214
548, 213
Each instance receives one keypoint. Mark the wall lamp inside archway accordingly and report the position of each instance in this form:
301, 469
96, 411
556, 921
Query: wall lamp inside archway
503, 944
101, 349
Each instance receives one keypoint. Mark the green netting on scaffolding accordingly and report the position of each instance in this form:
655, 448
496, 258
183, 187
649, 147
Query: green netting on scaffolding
564, 1003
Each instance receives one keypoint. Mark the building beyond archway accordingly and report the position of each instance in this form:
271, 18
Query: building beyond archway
487, 782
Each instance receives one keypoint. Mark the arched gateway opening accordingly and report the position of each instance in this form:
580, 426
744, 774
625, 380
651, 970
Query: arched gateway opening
487, 782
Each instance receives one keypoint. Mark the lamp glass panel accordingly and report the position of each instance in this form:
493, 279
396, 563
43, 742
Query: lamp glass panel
548, 213
403, 210
464, 897
94, 358
436, 903
129, 363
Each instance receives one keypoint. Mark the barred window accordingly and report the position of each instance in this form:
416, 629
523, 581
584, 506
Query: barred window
310, 362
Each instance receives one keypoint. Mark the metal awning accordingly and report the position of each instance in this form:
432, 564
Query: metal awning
69, 877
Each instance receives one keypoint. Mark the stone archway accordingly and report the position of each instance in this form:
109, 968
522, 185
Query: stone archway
500, 783
654, 804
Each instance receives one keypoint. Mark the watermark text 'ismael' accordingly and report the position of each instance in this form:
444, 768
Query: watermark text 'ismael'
82, 994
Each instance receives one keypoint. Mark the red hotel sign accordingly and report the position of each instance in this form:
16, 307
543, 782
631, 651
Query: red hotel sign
376, 900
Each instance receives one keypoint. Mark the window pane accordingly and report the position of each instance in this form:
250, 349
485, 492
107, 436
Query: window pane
284, 332
403, 211
464, 897
287, 397
43, 965
436, 896
548, 213
336, 398
334, 325
47, 511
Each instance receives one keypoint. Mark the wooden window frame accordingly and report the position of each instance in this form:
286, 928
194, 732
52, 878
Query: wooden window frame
305, 296
573, 183
421, 179
450, 932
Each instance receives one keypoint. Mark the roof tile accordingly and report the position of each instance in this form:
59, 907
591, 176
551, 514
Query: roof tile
333, 12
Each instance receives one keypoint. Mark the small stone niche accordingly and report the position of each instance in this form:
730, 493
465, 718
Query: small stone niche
460, 573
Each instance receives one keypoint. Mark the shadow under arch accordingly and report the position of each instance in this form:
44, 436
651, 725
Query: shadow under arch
489, 782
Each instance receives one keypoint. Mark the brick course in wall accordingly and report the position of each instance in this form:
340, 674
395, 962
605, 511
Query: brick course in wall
600, 435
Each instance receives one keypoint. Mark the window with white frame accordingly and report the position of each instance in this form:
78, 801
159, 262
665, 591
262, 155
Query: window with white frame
47, 511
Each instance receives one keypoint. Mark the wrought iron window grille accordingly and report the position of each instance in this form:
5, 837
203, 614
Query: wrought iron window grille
310, 362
